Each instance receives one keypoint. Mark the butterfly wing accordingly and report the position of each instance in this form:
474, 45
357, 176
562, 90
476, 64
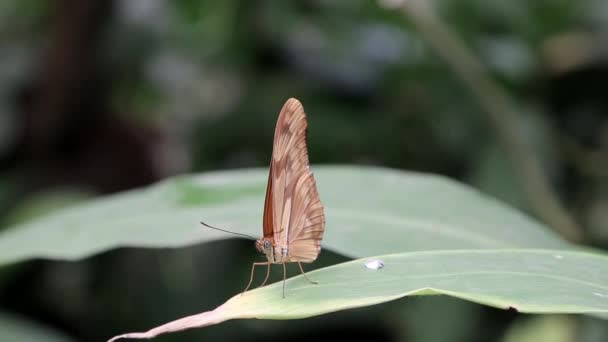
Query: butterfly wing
293, 214
308, 221
268, 223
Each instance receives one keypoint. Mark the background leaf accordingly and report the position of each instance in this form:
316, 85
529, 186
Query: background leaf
369, 211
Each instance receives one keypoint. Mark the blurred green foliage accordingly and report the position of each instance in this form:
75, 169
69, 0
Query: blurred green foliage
156, 88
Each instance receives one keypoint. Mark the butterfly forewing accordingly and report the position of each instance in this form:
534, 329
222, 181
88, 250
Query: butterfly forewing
293, 213
268, 209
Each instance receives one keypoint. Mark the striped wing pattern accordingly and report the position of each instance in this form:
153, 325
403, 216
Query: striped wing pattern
294, 219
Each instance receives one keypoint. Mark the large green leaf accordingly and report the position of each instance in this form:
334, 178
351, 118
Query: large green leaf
526, 280
370, 211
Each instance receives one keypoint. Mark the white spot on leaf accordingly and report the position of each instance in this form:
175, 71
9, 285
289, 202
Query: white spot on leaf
557, 256
374, 264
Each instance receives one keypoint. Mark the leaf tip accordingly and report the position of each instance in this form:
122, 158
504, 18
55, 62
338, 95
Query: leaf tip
195, 321
146, 335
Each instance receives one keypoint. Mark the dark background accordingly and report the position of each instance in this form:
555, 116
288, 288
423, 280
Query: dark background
102, 96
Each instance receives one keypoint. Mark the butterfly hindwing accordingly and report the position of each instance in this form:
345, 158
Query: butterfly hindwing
308, 221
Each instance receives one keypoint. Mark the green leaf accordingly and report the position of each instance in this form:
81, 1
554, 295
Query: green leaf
13, 329
530, 281
369, 211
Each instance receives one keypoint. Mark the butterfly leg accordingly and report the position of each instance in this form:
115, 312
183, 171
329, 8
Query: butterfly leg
267, 275
252, 270
284, 277
304, 274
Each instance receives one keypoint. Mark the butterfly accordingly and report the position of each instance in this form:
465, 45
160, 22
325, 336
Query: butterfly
294, 218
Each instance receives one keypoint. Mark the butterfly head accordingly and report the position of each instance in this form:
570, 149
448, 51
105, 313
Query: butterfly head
264, 246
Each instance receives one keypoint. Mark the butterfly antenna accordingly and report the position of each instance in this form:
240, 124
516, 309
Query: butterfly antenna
227, 231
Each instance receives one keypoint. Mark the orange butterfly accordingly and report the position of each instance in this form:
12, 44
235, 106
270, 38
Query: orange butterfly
294, 221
